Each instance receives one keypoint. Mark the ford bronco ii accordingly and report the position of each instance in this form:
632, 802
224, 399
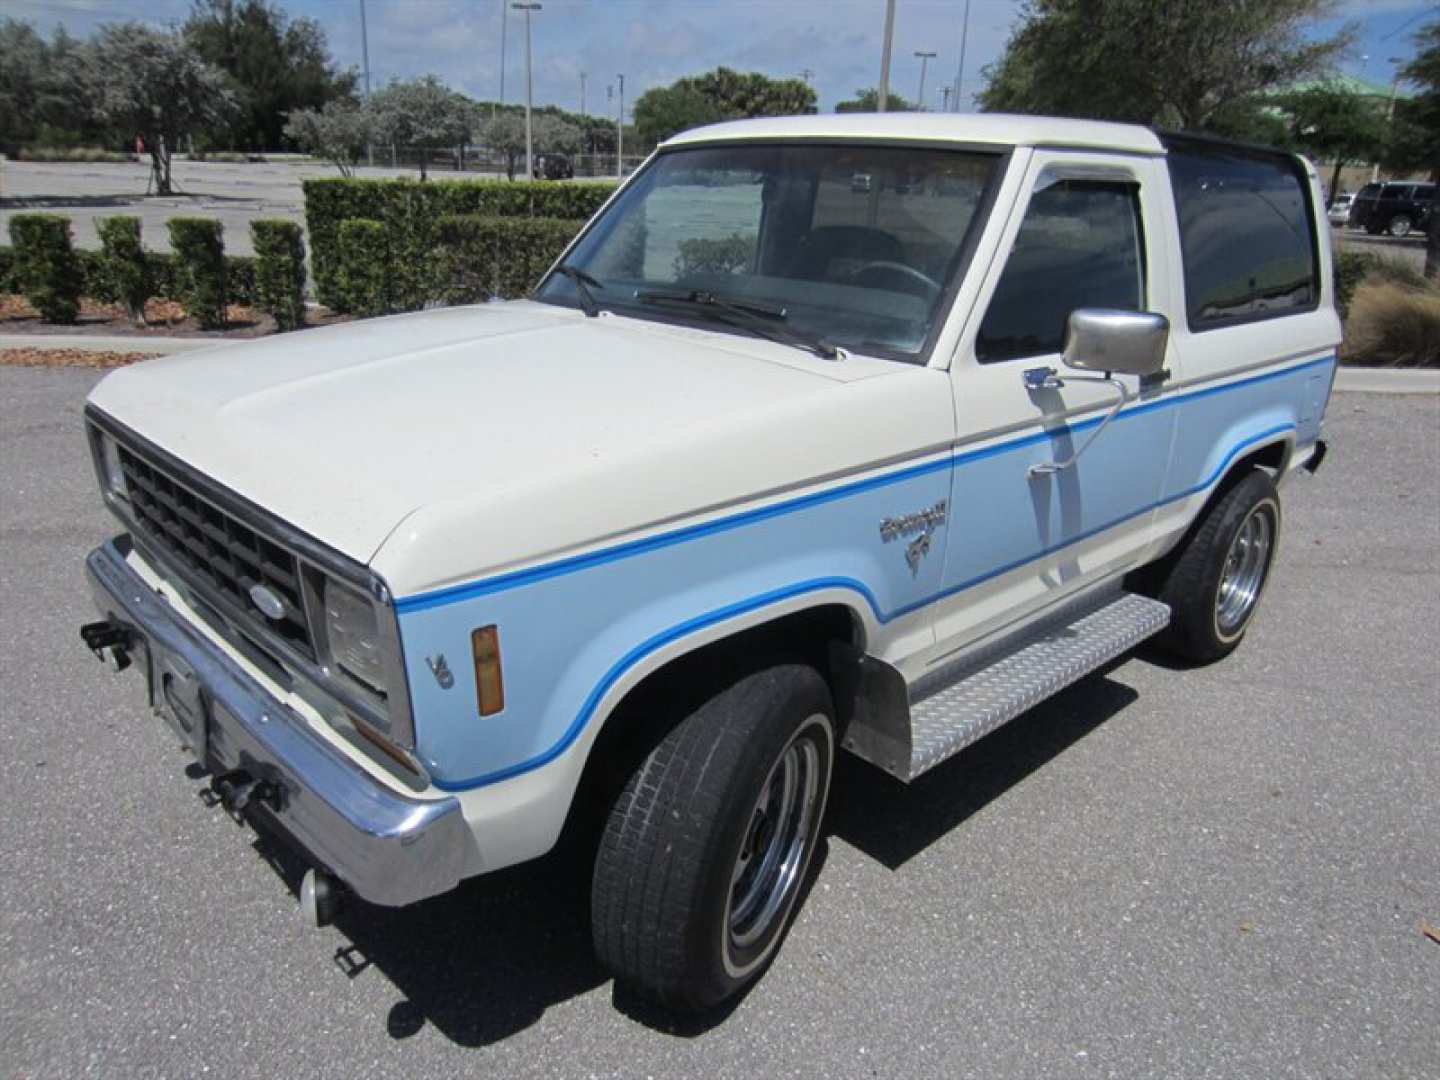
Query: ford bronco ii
827, 433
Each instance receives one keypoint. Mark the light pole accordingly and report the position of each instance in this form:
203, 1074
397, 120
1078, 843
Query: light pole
620, 133
528, 8
365, 55
1389, 112
925, 58
884, 93
964, 40
582, 95
504, 28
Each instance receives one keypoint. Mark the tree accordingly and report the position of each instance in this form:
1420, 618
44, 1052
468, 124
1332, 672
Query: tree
422, 113
504, 134
41, 98
1332, 124
867, 99
338, 133
147, 82
1415, 139
721, 94
667, 110
275, 65
1172, 62
556, 135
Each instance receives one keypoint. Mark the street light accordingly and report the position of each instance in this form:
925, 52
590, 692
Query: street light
964, 40
620, 134
883, 95
529, 129
1390, 111
925, 58
365, 55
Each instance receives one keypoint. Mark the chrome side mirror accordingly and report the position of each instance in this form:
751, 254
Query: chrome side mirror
1119, 342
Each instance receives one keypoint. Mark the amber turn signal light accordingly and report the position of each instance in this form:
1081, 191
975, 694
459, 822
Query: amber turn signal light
489, 686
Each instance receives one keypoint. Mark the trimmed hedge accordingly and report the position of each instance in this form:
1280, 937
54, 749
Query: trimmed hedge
280, 270
239, 276
411, 212
45, 266
500, 257
123, 265
364, 275
200, 268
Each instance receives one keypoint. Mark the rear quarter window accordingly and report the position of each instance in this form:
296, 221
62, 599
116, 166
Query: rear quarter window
1247, 237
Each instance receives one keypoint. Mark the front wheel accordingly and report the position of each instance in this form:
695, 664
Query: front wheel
1214, 581
704, 854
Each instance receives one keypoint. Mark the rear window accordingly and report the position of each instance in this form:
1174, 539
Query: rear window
1369, 191
1246, 236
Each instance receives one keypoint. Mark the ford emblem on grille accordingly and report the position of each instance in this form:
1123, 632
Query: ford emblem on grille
270, 605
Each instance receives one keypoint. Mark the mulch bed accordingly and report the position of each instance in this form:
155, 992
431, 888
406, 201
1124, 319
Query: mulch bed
69, 358
163, 318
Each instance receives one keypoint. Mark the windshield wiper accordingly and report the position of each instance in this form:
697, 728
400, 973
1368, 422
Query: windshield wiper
583, 284
757, 314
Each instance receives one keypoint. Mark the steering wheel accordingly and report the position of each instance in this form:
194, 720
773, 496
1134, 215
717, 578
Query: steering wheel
928, 287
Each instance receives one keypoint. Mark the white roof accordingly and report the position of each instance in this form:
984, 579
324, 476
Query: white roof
1000, 129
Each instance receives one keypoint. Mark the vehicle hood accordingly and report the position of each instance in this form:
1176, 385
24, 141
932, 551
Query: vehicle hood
347, 431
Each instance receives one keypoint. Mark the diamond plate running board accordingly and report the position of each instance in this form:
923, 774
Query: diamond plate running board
952, 711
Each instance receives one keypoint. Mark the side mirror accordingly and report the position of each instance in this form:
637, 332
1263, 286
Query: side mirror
1120, 342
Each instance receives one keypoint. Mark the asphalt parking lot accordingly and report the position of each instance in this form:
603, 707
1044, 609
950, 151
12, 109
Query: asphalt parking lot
234, 193
1174, 873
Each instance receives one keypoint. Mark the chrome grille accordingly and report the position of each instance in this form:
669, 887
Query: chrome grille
217, 549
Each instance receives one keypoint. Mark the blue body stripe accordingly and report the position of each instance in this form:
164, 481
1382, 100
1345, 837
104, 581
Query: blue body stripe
658, 640
469, 590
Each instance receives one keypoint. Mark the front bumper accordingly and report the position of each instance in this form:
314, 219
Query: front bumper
389, 848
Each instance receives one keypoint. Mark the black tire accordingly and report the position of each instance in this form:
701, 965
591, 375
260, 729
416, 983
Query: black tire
1400, 225
681, 840
1211, 595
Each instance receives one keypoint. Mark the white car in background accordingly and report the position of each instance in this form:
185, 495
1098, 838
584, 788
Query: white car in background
1339, 212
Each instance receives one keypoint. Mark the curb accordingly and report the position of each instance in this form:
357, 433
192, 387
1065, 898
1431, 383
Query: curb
1360, 380
113, 343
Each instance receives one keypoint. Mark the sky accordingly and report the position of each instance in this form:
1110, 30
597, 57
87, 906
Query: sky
654, 42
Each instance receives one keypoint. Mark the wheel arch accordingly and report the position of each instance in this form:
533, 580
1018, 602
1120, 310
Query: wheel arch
825, 629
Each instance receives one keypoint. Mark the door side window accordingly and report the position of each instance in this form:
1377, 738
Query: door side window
1080, 246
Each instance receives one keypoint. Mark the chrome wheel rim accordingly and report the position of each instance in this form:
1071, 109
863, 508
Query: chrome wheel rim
1244, 572
773, 849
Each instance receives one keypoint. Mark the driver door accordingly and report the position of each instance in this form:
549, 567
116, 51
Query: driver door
1087, 233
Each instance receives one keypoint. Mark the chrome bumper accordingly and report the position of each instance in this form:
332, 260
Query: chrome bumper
388, 848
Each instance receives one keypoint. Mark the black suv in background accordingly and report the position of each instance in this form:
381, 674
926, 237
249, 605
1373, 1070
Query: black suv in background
1397, 208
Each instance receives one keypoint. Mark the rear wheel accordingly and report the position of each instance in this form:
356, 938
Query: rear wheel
1214, 582
1400, 225
705, 852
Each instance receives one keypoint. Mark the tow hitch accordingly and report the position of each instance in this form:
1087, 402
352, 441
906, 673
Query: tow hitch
109, 641
238, 789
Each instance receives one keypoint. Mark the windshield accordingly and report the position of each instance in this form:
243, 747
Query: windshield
856, 245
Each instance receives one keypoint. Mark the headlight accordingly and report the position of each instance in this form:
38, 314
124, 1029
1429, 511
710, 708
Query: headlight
351, 628
114, 471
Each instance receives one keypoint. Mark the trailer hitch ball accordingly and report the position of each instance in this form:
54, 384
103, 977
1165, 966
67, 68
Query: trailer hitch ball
319, 898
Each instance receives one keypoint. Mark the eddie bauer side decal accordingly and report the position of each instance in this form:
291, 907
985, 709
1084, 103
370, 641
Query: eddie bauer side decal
921, 524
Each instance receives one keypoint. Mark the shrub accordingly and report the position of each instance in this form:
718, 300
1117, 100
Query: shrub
363, 277
199, 281
411, 211
46, 267
123, 271
723, 256
280, 271
70, 153
1393, 323
96, 283
498, 256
